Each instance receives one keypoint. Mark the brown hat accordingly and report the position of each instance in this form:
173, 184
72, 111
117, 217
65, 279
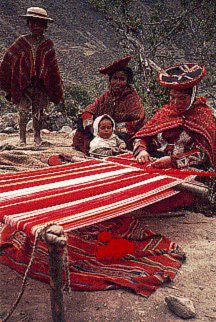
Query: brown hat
181, 76
37, 13
115, 66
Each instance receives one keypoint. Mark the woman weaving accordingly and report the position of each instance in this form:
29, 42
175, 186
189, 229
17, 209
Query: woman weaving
182, 133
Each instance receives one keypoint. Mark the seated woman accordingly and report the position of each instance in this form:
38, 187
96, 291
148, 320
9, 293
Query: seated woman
105, 142
181, 134
121, 102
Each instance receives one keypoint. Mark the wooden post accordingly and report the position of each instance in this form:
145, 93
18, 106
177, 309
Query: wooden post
56, 283
55, 248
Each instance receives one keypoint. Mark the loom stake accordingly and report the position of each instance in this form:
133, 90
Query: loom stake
56, 295
56, 242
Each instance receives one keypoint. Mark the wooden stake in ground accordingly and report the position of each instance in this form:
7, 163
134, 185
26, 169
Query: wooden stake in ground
56, 243
56, 284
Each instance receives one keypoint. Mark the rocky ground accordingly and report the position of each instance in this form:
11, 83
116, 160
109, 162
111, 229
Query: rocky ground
193, 230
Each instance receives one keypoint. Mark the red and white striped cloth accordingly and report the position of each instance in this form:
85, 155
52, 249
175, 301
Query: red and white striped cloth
80, 194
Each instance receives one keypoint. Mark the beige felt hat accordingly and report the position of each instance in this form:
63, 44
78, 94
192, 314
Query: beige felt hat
37, 13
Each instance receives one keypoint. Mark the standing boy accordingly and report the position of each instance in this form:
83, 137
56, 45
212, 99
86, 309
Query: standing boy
29, 73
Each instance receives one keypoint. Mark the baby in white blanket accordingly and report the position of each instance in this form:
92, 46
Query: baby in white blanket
105, 142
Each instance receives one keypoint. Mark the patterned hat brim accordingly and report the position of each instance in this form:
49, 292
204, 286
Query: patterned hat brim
181, 76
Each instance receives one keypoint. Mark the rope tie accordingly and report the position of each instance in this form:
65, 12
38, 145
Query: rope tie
212, 193
37, 237
67, 286
57, 230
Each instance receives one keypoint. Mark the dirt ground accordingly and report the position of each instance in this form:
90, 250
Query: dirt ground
192, 230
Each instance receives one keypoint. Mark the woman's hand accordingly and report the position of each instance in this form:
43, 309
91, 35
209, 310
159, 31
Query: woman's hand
143, 157
162, 163
115, 150
122, 148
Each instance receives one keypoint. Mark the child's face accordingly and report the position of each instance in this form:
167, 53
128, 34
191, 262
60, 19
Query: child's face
36, 26
105, 129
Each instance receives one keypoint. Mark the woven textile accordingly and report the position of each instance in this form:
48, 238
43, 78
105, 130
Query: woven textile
81, 197
156, 259
80, 194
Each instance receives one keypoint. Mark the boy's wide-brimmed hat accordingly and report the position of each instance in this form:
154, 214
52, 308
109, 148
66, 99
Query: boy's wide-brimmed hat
37, 13
115, 66
181, 76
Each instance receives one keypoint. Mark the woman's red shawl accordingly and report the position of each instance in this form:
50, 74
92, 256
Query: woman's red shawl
126, 108
198, 120
19, 66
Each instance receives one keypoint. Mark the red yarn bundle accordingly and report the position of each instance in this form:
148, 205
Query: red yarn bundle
115, 249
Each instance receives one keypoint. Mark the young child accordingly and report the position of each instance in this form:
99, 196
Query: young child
105, 142
29, 73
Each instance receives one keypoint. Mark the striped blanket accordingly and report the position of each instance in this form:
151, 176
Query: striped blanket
84, 198
80, 194
156, 259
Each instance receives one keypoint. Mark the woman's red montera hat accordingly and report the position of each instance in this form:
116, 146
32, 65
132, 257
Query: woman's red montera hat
181, 76
115, 66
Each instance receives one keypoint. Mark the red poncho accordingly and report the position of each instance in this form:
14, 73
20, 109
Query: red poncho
20, 65
126, 108
198, 120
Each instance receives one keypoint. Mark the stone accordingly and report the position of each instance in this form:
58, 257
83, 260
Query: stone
9, 119
1, 126
9, 130
45, 131
66, 129
181, 306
